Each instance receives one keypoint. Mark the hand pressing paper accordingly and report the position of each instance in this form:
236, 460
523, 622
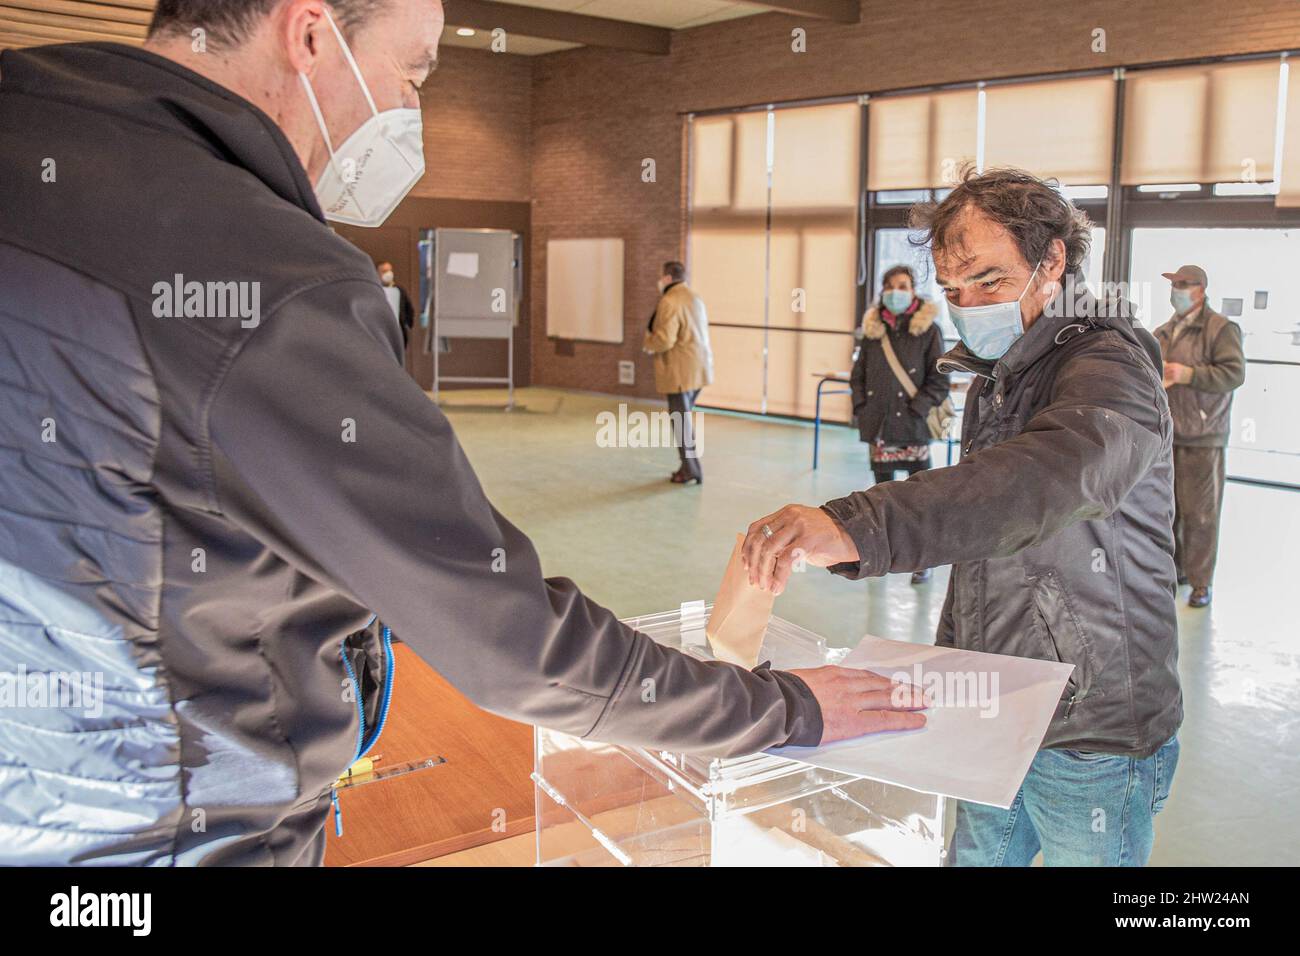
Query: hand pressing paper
740, 614
989, 715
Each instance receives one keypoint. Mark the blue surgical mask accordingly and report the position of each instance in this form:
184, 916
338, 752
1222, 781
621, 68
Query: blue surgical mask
989, 330
1181, 300
896, 300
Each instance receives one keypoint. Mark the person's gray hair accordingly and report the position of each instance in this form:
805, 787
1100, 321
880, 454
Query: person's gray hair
228, 22
1032, 210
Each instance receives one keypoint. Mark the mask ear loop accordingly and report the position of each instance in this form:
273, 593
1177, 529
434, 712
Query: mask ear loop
1020, 297
1023, 292
320, 121
356, 70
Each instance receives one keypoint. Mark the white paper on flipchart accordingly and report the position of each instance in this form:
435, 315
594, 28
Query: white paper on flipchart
462, 264
960, 752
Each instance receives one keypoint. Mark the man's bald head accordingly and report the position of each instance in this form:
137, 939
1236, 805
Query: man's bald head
228, 22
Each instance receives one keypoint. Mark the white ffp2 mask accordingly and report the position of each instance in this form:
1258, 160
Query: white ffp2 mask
377, 165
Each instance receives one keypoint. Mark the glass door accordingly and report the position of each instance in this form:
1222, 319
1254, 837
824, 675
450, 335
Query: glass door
1253, 280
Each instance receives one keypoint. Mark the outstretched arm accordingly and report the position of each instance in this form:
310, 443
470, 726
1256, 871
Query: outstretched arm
1075, 460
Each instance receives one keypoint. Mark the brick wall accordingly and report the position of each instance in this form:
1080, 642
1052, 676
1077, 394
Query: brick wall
596, 114
477, 114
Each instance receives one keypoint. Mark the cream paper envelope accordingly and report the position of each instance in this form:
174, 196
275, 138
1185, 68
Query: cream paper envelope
989, 719
740, 614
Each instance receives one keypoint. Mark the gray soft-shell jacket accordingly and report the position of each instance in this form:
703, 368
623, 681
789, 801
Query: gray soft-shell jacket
1057, 521
200, 500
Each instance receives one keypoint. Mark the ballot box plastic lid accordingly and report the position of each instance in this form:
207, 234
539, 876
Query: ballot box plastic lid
741, 783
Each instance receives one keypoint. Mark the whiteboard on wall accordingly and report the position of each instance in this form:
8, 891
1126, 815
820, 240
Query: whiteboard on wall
584, 289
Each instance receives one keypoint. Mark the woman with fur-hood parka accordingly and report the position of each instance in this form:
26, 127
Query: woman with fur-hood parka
891, 422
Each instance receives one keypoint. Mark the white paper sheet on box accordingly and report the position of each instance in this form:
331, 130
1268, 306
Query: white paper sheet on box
463, 264
961, 752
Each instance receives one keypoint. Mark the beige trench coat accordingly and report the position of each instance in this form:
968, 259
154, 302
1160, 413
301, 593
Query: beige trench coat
679, 339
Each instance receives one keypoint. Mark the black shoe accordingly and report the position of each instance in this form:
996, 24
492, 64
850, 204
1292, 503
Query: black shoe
1200, 597
1182, 579
680, 477
921, 577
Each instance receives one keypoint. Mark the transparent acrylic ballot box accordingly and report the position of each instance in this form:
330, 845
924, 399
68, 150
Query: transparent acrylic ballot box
605, 805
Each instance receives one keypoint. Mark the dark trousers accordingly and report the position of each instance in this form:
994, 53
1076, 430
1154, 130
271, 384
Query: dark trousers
885, 470
1198, 500
680, 405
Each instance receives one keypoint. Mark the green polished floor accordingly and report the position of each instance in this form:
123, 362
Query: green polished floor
609, 519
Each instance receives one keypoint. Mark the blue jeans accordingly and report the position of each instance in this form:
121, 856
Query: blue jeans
1080, 809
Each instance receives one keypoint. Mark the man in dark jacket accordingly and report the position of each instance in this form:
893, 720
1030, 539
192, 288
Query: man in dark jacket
1203, 365
1057, 521
403, 308
213, 468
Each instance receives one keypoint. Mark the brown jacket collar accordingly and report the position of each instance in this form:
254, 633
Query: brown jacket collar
1202, 316
873, 326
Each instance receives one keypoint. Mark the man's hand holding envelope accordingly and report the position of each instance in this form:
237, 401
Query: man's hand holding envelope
776, 541
853, 701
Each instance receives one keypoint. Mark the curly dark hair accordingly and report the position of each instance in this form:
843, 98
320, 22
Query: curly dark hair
228, 22
1032, 210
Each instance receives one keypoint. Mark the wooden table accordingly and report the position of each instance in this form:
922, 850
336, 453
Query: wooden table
483, 793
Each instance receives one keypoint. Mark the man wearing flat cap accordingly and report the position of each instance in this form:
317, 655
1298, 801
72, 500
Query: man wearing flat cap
1203, 365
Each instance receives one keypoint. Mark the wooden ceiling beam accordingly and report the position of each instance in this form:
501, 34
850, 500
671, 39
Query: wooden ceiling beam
141, 13
841, 11
30, 21
558, 25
